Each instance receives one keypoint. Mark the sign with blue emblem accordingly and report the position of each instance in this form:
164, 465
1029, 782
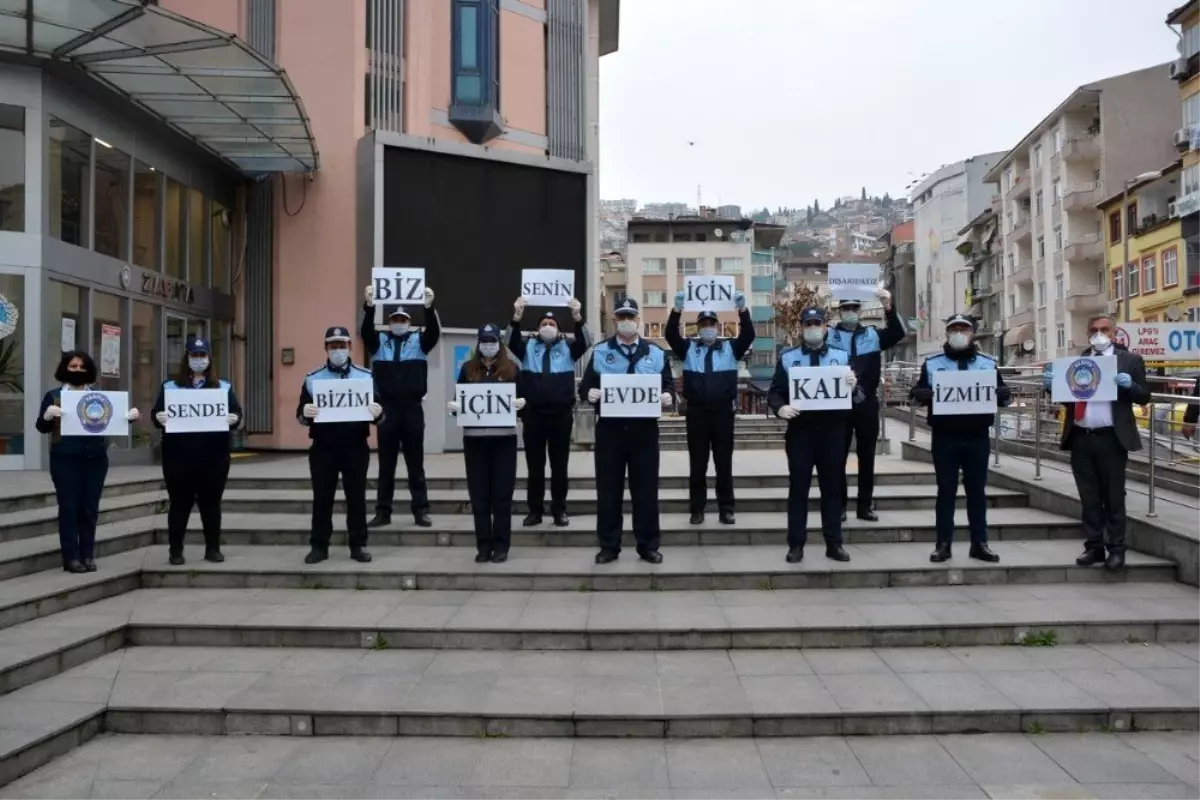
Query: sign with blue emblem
1090, 379
94, 413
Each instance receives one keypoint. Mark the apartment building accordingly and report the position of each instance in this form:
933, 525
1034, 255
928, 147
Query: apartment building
898, 271
981, 246
1186, 70
943, 203
1051, 181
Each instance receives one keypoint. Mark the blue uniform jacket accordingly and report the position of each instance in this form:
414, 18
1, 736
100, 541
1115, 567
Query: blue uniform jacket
710, 372
400, 363
778, 395
547, 380
865, 344
958, 424
609, 358
333, 433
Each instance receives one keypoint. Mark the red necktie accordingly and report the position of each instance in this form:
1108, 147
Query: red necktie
1080, 410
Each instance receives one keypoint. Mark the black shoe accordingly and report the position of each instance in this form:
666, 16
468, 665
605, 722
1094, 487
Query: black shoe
315, 556
176, 560
561, 520
499, 558
89, 564
423, 520
727, 518
214, 556
697, 518
941, 552
1090, 557
837, 553
651, 556
361, 555
483, 558
981, 552
795, 555
532, 519
606, 556
1115, 561
867, 514
379, 520
74, 566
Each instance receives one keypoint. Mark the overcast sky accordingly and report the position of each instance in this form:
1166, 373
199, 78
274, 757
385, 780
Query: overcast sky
791, 100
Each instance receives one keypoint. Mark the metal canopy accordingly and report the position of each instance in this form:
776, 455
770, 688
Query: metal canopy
205, 83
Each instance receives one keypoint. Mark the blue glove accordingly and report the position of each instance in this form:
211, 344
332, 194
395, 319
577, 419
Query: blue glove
679, 301
1123, 380
739, 301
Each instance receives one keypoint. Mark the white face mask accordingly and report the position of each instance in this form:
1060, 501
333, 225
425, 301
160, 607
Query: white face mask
627, 327
197, 365
489, 349
959, 341
708, 334
1100, 341
850, 317
548, 333
339, 357
814, 335
399, 328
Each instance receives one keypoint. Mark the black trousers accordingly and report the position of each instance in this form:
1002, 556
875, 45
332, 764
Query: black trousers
623, 444
1098, 462
710, 430
325, 464
199, 481
968, 454
864, 430
78, 483
547, 433
491, 478
402, 428
821, 447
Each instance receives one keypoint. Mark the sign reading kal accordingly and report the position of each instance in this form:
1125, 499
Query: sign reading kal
636, 396
196, 410
708, 293
343, 400
819, 389
964, 391
486, 405
548, 287
396, 286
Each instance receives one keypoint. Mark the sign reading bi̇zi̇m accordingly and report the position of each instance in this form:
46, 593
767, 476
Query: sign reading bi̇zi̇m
341, 400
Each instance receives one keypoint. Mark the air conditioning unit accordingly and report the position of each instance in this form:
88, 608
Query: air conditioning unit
1170, 210
1178, 69
1182, 138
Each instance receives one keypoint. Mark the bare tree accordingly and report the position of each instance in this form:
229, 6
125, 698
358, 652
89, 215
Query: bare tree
788, 309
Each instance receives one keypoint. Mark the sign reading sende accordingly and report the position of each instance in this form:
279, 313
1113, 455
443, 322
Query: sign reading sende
708, 293
196, 410
967, 391
548, 287
343, 400
1161, 341
637, 396
819, 388
486, 405
399, 286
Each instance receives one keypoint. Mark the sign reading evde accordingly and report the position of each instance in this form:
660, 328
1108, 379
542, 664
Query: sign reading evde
1161, 341
631, 396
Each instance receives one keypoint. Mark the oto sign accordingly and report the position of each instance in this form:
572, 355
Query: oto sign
637, 396
196, 410
708, 293
486, 405
967, 391
343, 400
548, 287
819, 388
404, 287
1161, 341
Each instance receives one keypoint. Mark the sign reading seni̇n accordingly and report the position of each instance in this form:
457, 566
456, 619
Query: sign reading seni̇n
635, 396
196, 410
486, 405
343, 400
967, 391
548, 287
403, 286
819, 388
708, 293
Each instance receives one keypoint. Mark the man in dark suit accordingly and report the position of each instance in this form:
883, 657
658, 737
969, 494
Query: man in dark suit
1100, 437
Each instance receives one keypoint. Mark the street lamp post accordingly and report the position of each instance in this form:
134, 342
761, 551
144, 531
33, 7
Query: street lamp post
1125, 271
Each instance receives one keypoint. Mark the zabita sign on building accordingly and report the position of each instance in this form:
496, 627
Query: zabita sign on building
486, 405
708, 293
1161, 341
548, 287
398, 286
636, 396
967, 391
819, 388
196, 410
343, 400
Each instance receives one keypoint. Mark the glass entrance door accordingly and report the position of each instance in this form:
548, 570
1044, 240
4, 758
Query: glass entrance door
179, 331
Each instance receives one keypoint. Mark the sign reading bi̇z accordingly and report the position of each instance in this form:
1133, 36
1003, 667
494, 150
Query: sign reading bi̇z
637, 396
196, 410
343, 400
486, 405
405, 287
819, 388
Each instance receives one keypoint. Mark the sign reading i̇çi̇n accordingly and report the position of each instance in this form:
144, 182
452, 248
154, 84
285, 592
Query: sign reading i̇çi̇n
819, 388
966, 391
708, 293
196, 410
548, 287
636, 396
486, 405
343, 400
398, 286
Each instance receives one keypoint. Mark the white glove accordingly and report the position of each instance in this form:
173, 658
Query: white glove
452, 406
375, 409
884, 296
52, 413
133, 415
593, 395
161, 417
520, 403
666, 399
428, 297
369, 296
230, 419
787, 412
310, 411
519, 308
575, 307
851, 379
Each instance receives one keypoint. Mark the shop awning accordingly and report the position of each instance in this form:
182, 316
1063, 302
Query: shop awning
205, 83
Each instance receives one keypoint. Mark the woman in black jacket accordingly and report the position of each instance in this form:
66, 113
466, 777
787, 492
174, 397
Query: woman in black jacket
195, 465
490, 453
78, 465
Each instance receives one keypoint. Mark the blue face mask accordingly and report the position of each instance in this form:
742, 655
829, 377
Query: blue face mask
197, 365
708, 335
339, 357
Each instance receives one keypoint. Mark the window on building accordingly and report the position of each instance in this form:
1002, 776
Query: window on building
111, 198
1041, 246
1170, 268
1134, 279
763, 269
689, 266
1041, 338
1060, 336
761, 299
1193, 314
1012, 262
146, 214
653, 330
1038, 202
1037, 157
1149, 274
761, 358
654, 266
1058, 287
1012, 304
1191, 41
1058, 240
69, 156
654, 299
1041, 294
12, 168
1131, 218
1191, 177
197, 237
1118, 282
1008, 178
640, 238
1058, 139
676, 236
1114, 227
729, 266
221, 252
997, 270
1191, 110
1057, 186
764, 330
474, 65
174, 237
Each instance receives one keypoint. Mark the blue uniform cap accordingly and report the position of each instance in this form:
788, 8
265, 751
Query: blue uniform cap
399, 311
550, 316
960, 319
704, 316
198, 345
489, 333
337, 334
627, 308
811, 315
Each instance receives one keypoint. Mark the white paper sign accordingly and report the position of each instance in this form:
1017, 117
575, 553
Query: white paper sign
196, 410
638, 396
853, 281
343, 400
398, 286
548, 287
1092, 379
110, 351
964, 391
708, 293
87, 413
1161, 341
819, 388
486, 405
67, 335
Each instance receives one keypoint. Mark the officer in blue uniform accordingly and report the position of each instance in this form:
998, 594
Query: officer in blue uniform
865, 344
960, 441
547, 382
710, 381
399, 360
813, 439
623, 443
338, 448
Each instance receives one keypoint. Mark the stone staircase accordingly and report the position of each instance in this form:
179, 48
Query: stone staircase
723, 639
750, 433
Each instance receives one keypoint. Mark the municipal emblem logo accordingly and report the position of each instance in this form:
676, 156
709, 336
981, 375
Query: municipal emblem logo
627, 304
94, 412
1083, 378
610, 358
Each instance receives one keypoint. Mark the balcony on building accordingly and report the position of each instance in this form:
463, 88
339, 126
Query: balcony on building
1085, 299
1021, 270
1023, 317
1058, 263
1021, 228
1082, 196
1082, 147
1084, 247
1022, 180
